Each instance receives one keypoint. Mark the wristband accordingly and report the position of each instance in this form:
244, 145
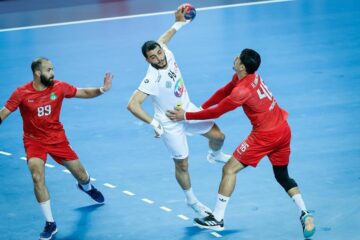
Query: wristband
154, 123
178, 25
102, 90
0, 120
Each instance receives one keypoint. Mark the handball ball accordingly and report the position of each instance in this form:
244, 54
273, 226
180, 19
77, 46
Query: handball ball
190, 11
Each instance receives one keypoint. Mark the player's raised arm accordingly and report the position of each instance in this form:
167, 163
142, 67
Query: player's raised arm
4, 112
94, 92
183, 15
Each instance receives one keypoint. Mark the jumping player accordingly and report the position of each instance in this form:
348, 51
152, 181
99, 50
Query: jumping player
165, 85
40, 103
270, 136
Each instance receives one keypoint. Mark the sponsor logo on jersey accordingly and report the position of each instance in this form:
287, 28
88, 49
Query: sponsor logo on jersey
53, 96
179, 88
146, 80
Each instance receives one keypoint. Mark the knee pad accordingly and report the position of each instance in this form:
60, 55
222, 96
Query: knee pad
282, 177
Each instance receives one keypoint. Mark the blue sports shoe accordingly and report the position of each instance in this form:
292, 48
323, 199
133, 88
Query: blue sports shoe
307, 222
93, 193
49, 230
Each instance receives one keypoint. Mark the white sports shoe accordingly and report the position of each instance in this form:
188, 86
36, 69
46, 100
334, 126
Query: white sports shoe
200, 209
217, 157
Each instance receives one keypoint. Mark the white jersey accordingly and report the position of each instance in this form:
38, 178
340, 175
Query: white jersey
166, 88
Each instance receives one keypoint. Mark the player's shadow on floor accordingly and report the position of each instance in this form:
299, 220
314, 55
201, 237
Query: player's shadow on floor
82, 225
193, 231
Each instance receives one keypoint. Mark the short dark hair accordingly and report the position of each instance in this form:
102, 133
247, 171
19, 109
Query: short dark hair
148, 46
251, 60
36, 63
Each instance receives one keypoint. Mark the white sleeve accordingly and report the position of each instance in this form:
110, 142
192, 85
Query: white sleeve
149, 85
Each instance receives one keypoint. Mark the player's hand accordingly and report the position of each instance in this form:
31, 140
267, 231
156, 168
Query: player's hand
178, 114
158, 129
180, 15
107, 82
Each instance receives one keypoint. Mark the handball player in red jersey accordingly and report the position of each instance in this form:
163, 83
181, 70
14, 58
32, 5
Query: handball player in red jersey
40, 103
270, 136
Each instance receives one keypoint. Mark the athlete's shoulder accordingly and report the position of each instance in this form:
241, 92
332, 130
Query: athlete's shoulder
152, 74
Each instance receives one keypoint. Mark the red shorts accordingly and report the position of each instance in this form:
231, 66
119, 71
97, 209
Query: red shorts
59, 151
275, 144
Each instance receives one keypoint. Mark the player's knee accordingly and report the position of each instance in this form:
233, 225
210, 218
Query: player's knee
228, 170
37, 178
285, 181
182, 165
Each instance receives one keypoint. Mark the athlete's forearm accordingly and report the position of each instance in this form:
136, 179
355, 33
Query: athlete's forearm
136, 109
166, 37
4, 112
211, 113
88, 92
218, 96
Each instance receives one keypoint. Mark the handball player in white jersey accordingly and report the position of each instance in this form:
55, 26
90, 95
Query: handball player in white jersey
165, 86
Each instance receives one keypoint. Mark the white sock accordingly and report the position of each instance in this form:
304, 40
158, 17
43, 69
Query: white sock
87, 186
299, 202
190, 196
220, 207
46, 210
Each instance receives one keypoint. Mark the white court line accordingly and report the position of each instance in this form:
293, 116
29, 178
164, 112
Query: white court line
128, 193
216, 234
66, 171
138, 15
92, 179
49, 165
166, 209
147, 201
23, 158
5, 153
109, 185
183, 217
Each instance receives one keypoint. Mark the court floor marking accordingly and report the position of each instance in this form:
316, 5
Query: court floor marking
139, 15
127, 192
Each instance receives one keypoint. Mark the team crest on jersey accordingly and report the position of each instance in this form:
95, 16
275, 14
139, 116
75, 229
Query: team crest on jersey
53, 96
179, 88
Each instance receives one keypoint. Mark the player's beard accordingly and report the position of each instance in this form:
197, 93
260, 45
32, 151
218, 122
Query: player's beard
47, 82
157, 66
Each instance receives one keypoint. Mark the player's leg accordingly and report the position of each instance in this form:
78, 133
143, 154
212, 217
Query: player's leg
175, 140
215, 221
37, 170
280, 160
216, 141
249, 152
65, 155
83, 178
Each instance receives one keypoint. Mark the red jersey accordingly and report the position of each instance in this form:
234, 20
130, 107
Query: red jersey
40, 110
252, 94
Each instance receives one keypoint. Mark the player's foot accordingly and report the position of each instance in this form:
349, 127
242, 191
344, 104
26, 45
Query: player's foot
307, 222
93, 193
49, 230
200, 208
209, 222
217, 157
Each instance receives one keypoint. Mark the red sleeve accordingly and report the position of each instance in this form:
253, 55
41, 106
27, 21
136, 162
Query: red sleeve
237, 97
219, 95
69, 90
14, 101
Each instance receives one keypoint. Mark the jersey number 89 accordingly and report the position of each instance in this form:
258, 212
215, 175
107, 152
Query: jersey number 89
44, 110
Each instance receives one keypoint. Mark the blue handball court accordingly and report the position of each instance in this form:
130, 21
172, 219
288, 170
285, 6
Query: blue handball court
310, 62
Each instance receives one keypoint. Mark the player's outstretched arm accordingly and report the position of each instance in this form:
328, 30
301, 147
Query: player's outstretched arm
4, 112
180, 21
134, 106
94, 92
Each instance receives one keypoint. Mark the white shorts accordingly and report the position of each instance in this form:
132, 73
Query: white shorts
175, 135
